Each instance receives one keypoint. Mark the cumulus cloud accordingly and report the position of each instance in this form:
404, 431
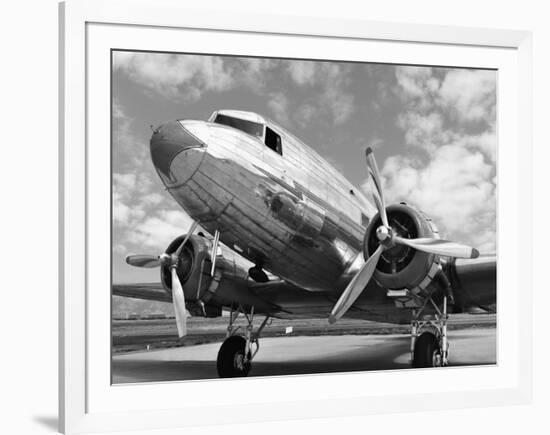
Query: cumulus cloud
279, 106
423, 131
152, 198
188, 77
342, 104
125, 209
302, 72
418, 86
305, 113
485, 142
329, 81
253, 72
469, 95
160, 228
129, 151
175, 76
448, 122
144, 218
124, 181
123, 214
335, 97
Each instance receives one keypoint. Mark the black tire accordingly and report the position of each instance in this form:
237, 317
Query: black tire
426, 348
230, 363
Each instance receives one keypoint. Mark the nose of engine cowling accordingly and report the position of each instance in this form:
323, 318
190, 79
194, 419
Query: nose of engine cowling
173, 141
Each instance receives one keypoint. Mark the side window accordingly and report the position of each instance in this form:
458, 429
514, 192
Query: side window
273, 141
364, 220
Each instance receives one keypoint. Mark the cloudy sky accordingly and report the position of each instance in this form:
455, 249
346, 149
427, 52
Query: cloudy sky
433, 130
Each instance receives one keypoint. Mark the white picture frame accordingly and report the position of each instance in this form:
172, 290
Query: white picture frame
88, 403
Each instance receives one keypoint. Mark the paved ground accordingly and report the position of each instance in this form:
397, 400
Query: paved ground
301, 355
138, 335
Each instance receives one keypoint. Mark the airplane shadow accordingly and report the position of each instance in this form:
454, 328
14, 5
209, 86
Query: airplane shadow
384, 357
365, 353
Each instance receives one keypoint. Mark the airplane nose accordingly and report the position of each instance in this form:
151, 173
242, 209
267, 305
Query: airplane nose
167, 142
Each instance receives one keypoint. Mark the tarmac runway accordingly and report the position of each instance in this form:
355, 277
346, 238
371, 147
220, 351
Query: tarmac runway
301, 355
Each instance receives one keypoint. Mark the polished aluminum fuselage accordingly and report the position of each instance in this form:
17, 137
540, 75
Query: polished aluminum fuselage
230, 183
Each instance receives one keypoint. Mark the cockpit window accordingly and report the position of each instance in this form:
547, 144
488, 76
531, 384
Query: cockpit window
273, 141
252, 128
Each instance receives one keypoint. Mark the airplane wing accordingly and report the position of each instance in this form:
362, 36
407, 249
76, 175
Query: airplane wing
279, 298
475, 281
266, 291
148, 291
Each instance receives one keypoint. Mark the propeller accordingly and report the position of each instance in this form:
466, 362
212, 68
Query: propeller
356, 286
178, 299
170, 260
387, 240
147, 261
439, 247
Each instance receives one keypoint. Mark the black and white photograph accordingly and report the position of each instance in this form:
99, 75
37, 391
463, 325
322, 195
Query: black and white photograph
340, 214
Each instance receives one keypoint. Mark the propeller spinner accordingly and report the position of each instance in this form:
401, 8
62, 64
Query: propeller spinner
387, 240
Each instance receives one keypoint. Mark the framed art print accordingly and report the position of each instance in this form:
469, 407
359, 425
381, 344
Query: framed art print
263, 203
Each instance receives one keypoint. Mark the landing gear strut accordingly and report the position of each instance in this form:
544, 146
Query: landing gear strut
429, 343
236, 354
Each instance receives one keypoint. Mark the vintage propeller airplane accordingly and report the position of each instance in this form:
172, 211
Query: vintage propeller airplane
290, 237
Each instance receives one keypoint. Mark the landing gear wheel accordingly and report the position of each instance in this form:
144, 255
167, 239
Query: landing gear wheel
427, 352
231, 361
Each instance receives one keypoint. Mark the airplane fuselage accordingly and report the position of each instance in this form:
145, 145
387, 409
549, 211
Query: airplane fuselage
286, 209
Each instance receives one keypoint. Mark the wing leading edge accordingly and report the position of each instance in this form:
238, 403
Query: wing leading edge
147, 291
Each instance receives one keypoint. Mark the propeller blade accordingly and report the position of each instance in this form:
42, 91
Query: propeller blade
439, 247
377, 202
178, 299
148, 261
375, 175
214, 253
186, 238
356, 286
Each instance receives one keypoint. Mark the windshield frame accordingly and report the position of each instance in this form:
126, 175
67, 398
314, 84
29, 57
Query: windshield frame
239, 124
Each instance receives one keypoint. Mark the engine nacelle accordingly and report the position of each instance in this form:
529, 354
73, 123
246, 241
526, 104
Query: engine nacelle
228, 283
402, 267
196, 252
